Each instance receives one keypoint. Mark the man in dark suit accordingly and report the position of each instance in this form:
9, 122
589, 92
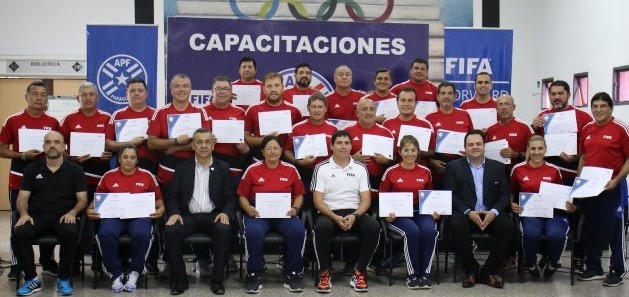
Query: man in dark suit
480, 200
201, 199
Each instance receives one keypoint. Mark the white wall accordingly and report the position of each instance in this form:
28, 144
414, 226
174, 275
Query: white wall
55, 29
560, 38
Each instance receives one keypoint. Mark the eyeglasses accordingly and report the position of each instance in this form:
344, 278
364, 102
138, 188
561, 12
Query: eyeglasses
222, 89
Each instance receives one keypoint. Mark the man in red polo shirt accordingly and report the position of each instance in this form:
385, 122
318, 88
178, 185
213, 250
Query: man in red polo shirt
382, 82
342, 101
425, 90
247, 69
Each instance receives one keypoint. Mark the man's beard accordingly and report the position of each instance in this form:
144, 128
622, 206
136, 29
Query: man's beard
303, 83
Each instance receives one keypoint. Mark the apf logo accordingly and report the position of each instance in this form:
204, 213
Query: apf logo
468, 65
318, 81
113, 75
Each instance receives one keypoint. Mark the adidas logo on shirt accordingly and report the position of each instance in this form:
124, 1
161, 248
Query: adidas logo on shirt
494, 138
438, 124
356, 138
588, 137
78, 126
393, 132
337, 106
261, 180
115, 185
526, 178
400, 180
39, 176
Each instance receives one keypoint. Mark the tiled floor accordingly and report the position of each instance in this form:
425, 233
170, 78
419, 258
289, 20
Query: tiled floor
559, 286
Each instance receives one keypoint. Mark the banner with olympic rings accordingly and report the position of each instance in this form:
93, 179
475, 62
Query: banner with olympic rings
204, 48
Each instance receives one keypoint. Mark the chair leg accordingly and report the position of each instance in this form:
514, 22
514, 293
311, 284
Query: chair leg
95, 265
437, 253
390, 270
454, 268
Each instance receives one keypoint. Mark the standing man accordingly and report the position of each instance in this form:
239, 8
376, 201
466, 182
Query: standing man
382, 82
516, 132
201, 199
480, 202
605, 144
342, 101
341, 193
425, 90
137, 109
53, 193
88, 119
247, 70
559, 93
33, 117
273, 88
482, 85
446, 117
303, 78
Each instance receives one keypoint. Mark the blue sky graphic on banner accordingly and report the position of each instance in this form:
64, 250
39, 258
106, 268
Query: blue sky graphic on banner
116, 54
470, 51
205, 48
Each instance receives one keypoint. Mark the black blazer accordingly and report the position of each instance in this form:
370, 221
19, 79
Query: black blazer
222, 192
458, 178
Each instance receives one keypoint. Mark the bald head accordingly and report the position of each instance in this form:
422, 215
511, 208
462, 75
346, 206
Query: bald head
505, 107
54, 145
366, 112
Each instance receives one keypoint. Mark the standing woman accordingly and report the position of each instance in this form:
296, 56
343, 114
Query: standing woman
128, 178
420, 231
605, 143
527, 177
271, 175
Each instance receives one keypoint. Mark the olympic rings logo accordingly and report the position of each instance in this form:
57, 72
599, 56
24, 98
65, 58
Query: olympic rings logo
324, 13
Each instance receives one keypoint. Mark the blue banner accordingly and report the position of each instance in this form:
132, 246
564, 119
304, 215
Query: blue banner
471, 51
205, 48
116, 54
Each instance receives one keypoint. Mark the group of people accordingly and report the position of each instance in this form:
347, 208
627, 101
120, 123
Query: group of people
200, 183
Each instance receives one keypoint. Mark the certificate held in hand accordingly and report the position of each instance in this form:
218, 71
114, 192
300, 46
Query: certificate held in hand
92, 144
373, 144
450, 142
183, 124
275, 121
560, 122
435, 201
398, 203
228, 131
31, 139
109, 205
310, 145
388, 108
246, 94
273, 205
590, 182
130, 128
536, 205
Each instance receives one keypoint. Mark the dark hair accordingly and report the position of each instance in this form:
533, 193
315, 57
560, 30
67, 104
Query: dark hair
182, 76
410, 139
407, 90
136, 80
602, 96
483, 73
224, 78
301, 65
272, 75
200, 131
420, 61
318, 96
127, 147
248, 59
445, 84
474, 132
560, 83
340, 133
268, 139
36, 84
381, 70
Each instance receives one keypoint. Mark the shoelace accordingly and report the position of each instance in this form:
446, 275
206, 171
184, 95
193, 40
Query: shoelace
360, 279
325, 279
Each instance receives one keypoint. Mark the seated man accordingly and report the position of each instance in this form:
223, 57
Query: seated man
480, 201
52, 194
201, 199
341, 193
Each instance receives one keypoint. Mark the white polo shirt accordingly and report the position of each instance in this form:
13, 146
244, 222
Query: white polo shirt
341, 187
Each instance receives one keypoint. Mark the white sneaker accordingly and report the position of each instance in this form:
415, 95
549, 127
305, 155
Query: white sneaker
116, 286
130, 285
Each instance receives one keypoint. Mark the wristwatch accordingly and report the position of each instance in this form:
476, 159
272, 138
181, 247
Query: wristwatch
356, 215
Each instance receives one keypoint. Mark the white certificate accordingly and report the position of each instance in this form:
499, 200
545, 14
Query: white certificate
183, 124
398, 203
388, 108
140, 205
31, 139
424, 107
536, 205
377, 144
92, 144
246, 94
110, 205
591, 182
229, 131
492, 150
301, 102
273, 205
341, 124
271, 121
315, 145
561, 142
421, 134
435, 201
560, 122
450, 142
558, 193
482, 118
130, 128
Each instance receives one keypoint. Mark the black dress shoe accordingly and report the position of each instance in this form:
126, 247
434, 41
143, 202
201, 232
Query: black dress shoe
176, 291
469, 281
492, 281
217, 288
